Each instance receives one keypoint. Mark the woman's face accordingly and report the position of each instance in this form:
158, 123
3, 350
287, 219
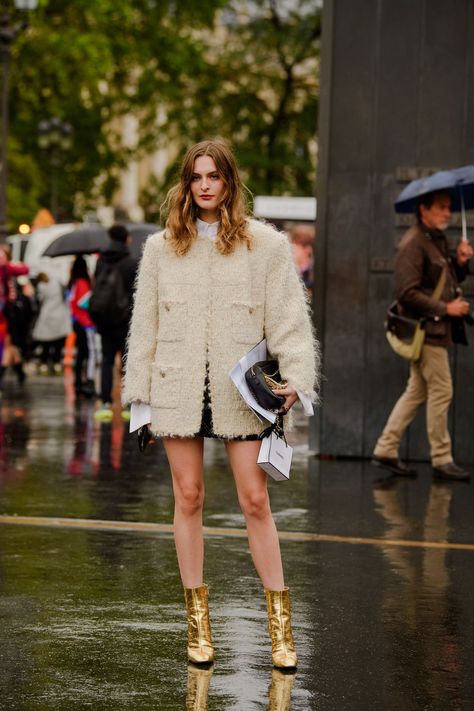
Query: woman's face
207, 188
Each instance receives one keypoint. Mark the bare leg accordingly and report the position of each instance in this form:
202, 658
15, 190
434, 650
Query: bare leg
185, 457
251, 483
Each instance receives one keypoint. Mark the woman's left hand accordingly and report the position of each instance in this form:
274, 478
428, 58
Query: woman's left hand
290, 396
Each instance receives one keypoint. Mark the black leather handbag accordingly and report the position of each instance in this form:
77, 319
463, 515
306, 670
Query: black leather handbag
262, 378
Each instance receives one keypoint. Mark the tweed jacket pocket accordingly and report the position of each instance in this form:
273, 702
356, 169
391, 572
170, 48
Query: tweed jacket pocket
247, 322
166, 386
172, 320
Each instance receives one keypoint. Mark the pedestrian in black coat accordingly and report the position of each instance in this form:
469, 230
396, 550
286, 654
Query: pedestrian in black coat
113, 325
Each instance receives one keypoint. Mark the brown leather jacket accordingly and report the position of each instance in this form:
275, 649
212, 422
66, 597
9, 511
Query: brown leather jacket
422, 253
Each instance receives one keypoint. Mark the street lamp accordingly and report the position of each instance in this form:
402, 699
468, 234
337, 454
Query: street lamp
55, 137
8, 32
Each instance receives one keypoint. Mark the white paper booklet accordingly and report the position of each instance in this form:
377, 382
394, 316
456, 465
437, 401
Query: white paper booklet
237, 375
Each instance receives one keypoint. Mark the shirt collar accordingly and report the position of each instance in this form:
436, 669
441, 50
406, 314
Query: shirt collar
207, 229
432, 233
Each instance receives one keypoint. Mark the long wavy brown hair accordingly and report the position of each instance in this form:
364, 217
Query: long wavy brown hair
182, 210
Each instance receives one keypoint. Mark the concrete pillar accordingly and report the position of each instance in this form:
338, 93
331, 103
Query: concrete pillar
397, 99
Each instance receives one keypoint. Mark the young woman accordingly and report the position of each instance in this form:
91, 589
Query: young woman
79, 289
211, 286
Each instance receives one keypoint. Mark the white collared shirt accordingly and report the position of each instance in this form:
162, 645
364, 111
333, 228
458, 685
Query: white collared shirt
207, 229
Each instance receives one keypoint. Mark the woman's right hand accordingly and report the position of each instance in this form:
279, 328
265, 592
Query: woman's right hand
290, 396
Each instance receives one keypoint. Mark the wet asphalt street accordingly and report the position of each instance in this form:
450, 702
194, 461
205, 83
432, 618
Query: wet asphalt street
91, 615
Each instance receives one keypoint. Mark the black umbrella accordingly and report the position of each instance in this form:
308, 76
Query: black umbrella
92, 238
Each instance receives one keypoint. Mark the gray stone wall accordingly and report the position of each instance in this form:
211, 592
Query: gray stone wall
397, 99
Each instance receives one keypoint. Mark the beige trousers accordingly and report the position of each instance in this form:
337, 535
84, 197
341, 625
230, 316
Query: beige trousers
430, 382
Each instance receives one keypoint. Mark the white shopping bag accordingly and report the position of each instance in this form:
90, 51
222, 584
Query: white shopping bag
274, 457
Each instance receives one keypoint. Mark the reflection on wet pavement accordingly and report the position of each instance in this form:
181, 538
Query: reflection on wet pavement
280, 691
95, 619
198, 688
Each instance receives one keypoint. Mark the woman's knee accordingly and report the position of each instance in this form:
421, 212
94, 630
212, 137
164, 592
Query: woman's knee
255, 503
189, 498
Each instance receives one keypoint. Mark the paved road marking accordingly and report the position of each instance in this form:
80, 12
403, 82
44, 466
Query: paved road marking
142, 527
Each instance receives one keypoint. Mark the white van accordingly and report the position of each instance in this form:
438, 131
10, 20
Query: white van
285, 207
29, 249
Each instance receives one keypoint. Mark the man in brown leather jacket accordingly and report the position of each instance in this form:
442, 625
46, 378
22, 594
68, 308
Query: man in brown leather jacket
422, 255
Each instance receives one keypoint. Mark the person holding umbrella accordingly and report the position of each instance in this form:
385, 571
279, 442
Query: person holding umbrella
423, 257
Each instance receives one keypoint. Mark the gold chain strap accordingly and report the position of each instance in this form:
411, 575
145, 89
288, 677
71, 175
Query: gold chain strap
274, 384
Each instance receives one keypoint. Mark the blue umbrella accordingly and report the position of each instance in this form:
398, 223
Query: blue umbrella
459, 182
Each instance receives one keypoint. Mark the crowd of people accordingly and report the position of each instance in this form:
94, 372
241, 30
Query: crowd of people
38, 313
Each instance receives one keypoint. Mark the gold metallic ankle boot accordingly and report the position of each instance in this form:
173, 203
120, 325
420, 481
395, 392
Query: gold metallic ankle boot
279, 626
200, 649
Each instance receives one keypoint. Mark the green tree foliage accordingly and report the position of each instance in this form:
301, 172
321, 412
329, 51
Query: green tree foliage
257, 86
83, 60
244, 70
263, 81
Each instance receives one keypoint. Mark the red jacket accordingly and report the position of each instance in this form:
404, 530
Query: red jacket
80, 315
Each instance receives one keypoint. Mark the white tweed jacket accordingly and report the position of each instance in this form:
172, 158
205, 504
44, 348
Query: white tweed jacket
206, 307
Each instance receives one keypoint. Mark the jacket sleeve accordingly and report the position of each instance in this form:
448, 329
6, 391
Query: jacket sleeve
408, 283
288, 326
141, 342
15, 269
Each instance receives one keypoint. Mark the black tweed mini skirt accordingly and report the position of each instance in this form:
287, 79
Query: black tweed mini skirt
206, 428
